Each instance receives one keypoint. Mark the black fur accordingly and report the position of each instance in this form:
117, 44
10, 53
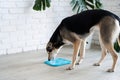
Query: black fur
56, 38
80, 24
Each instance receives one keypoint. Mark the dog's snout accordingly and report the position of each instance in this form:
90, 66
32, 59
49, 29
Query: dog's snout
49, 57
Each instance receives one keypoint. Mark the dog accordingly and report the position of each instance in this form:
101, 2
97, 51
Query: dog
76, 28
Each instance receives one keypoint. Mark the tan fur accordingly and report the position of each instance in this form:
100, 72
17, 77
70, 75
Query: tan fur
76, 46
109, 31
118, 40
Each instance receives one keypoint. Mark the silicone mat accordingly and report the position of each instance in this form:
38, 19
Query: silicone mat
58, 62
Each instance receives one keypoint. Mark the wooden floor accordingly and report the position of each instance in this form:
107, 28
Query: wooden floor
30, 66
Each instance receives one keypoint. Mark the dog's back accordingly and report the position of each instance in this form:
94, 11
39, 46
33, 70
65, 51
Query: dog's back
85, 20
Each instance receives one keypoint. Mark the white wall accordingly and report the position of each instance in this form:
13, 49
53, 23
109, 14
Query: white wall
22, 29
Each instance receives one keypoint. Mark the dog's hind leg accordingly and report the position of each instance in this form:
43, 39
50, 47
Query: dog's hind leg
104, 52
114, 56
82, 52
109, 31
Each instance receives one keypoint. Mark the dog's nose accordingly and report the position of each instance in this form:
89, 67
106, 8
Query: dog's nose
48, 59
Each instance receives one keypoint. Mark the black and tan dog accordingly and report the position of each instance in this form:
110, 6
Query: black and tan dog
77, 28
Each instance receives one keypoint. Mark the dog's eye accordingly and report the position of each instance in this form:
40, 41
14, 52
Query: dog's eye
49, 49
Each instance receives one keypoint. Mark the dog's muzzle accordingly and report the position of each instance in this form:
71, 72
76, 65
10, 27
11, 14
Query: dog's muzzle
49, 57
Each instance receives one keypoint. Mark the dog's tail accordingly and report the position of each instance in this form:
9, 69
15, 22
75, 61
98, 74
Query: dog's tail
117, 44
118, 40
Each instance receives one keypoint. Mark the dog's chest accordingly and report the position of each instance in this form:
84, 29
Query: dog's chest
67, 41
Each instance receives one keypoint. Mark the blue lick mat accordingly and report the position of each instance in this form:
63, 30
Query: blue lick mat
58, 62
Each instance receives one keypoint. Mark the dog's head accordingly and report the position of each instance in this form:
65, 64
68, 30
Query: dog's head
55, 42
52, 49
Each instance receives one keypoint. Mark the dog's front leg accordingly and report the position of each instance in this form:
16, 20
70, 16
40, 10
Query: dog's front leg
82, 52
76, 46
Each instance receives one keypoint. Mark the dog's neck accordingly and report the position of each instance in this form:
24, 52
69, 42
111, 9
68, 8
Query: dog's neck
56, 36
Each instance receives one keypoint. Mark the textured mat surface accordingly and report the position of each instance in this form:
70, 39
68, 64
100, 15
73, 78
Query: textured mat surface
58, 62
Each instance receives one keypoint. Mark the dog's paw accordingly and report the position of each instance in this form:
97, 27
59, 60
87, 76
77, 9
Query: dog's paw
77, 63
69, 68
96, 64
110, 70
